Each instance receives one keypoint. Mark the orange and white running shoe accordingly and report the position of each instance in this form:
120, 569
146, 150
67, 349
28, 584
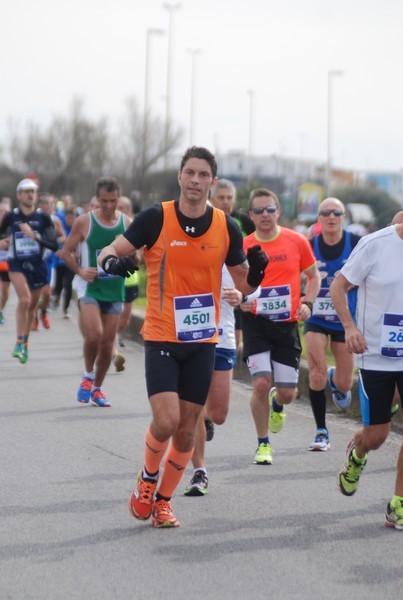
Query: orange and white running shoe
141, 500
162, 515
45, 320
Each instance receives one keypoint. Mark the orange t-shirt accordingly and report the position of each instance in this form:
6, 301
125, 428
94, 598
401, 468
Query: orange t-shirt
184, 281
289, 254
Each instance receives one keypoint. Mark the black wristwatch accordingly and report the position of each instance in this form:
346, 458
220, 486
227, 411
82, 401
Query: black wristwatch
309, 305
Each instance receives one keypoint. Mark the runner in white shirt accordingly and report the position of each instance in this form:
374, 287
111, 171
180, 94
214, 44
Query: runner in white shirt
377, 339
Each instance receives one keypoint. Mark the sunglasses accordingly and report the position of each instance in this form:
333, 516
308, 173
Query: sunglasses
259, 210
328, 211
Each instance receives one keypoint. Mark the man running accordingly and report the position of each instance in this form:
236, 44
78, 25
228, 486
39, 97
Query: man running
331, 248
100, 295
272, 345
377, 340
186, 243
31, 233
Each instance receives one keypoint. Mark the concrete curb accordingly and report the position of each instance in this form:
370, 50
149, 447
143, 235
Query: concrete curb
241, 373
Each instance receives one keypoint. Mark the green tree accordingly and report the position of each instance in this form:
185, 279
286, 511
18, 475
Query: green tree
383, 205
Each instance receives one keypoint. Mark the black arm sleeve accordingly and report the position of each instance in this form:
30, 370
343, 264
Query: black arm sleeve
49, 235
146, 227
236, 254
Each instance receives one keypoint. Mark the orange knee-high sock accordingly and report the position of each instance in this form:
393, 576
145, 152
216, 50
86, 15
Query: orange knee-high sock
174, 468
154, 452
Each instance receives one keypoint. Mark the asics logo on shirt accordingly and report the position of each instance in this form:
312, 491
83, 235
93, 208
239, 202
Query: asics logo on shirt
177, 243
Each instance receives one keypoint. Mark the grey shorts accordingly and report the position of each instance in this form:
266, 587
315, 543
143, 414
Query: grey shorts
106, 308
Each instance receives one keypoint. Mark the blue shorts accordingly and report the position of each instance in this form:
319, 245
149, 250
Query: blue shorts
225, 359
106, 308
36, 273
336, 335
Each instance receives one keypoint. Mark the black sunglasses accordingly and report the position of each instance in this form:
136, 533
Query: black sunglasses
328, 211
259, 210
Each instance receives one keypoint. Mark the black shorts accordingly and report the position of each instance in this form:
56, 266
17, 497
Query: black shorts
185, 369
131, 293
237, 318
376, 390
4, 276
335, 334
278, 337
36, 273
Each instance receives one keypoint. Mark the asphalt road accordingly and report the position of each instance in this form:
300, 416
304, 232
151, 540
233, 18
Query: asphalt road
281, 531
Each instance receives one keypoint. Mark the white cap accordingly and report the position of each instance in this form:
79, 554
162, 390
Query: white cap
27, 184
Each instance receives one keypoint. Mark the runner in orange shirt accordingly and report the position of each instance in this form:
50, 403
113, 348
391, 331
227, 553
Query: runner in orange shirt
272, 345
186, 243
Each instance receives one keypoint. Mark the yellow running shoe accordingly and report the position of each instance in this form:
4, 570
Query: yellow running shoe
263, 454
276, 419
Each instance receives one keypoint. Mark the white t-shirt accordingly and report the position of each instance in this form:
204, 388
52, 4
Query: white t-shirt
226, 338
376, 266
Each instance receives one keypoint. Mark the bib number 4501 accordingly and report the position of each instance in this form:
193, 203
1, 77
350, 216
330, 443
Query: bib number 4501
197, 319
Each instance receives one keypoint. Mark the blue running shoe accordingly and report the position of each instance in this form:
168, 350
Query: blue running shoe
341, 399
84, 391
2, 319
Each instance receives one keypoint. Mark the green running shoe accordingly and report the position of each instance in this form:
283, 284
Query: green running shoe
394, 515
276, 419
16, 353
24, 354
263, 454
2, 319
350, 472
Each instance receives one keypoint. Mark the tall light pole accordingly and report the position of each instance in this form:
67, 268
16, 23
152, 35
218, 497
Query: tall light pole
251, 94
171, 8
330, 75
150, 32
194, 52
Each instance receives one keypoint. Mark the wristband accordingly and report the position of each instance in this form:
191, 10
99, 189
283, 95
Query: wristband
309, 305
252, 296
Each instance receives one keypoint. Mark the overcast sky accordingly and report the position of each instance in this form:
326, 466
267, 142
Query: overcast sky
282, 50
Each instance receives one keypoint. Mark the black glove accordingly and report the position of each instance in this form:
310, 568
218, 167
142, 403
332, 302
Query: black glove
258, 261
124, 266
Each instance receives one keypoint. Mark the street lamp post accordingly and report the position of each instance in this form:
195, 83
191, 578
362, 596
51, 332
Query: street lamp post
194, 52
171, 8
251, 94
150, 32
332, 73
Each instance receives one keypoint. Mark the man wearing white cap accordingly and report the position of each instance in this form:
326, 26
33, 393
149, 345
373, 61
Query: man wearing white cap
30, 232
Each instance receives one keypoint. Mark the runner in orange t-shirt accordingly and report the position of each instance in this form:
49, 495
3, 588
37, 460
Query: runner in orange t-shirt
272, 346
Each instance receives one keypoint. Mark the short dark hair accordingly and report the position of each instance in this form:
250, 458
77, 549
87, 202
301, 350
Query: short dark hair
110, 184
258, 192
202, 153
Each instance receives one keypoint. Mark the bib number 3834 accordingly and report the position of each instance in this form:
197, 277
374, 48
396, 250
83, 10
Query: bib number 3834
194, 317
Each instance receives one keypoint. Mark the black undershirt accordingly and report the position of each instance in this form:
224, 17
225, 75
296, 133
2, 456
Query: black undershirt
146, 228
331, 252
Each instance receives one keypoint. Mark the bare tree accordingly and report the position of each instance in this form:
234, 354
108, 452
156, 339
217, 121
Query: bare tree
140, 144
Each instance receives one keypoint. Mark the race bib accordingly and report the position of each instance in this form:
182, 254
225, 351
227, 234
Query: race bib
25, 246
194, 317
3, 255
323, 307
392, 336
274, 303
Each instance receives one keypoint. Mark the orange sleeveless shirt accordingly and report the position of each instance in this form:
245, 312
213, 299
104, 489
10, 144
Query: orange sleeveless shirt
184, 281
